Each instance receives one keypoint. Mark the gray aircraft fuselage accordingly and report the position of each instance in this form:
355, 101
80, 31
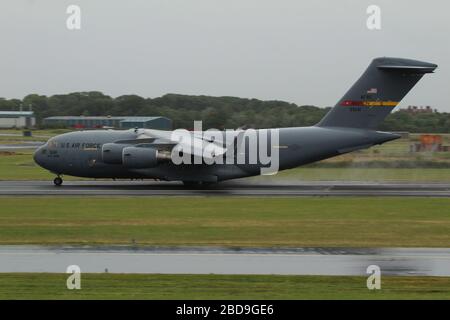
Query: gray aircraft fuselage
79, 154
350, 125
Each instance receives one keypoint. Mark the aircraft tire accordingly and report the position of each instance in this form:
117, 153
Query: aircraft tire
58, 181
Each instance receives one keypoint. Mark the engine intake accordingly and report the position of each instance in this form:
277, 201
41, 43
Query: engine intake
112, 153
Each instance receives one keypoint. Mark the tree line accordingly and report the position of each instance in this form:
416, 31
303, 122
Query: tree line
215, 112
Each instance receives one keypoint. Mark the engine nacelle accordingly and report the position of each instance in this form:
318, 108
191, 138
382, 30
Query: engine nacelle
140, 158
112, 153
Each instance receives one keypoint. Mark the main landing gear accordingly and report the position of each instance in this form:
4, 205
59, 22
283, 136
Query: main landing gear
58, 181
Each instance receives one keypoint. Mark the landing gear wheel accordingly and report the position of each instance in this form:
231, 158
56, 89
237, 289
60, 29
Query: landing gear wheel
58, 181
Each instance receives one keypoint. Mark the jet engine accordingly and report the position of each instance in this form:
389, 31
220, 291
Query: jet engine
143, 157
112, 153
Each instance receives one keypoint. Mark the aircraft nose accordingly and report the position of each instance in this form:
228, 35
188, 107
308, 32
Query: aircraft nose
37, 156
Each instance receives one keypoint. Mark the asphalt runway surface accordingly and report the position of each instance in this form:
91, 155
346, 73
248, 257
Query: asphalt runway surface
230, 188
301, 261
20, 146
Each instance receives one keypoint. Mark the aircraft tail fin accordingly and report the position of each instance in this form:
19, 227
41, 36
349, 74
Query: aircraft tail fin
377, 92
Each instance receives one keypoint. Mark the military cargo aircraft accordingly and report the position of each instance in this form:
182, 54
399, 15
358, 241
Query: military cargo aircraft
155, 154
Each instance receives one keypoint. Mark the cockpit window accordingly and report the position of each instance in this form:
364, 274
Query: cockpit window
52, 144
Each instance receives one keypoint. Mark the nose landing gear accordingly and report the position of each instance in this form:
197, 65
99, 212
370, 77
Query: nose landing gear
58, 181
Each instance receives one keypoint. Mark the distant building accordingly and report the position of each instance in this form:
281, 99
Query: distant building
416, 109
431, 143
161, 123
17, 119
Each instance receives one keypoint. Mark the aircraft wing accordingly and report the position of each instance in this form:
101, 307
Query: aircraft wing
185, 141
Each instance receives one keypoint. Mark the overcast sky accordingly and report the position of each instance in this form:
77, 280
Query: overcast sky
306, 52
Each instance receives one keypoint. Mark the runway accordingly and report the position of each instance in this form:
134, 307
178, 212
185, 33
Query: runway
232, 188
30, 145
300, 261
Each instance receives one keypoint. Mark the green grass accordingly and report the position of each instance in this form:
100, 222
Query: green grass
230, 221
38, 132
37, 135
20, 166
108, 286
20, 139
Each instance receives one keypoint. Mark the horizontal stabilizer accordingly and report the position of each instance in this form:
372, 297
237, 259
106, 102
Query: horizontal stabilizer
408, 68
